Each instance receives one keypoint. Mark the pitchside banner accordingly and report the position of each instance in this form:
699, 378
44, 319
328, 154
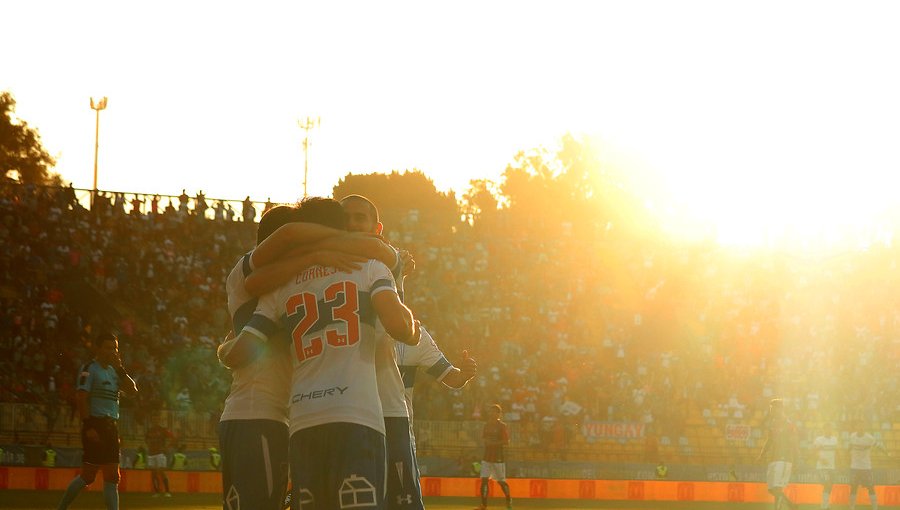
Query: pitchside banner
612, 430
739, 433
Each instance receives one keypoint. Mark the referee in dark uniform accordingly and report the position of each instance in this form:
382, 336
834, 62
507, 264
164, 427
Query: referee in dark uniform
97, 402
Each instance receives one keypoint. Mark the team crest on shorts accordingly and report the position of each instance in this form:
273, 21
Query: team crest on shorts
357, 492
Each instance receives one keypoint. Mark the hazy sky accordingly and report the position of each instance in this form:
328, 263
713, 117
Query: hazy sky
751, 112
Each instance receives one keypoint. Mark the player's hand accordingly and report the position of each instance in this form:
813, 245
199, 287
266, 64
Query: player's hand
92, 435
340, 261
409, 263
468, 368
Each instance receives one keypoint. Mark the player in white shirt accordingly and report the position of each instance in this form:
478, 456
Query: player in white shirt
861, 444
336, 420
403, 489
253, 431
825, 446
429, 357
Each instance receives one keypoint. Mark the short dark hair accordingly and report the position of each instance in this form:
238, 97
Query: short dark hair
105, 336
366, 200
323, 211
275, 218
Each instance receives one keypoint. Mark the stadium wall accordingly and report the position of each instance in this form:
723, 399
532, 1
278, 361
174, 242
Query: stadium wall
27, 478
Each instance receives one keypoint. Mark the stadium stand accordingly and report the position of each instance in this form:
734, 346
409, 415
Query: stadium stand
623, 352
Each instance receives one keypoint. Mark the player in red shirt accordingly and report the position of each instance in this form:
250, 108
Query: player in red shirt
496, 437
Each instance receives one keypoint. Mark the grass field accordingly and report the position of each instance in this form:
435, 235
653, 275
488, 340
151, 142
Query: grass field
28, 500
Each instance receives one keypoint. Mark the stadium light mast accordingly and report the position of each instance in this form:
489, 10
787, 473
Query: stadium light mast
96, 106
306, 125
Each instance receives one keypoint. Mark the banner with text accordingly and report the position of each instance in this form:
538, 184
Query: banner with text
735, 432
613, 430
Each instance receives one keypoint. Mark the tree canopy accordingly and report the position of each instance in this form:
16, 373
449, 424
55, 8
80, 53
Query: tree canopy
22, 153
395, 194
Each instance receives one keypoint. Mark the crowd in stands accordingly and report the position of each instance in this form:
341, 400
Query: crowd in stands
565, 329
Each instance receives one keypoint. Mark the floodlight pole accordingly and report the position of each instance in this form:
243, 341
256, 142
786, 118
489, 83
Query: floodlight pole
306, 125
99, 105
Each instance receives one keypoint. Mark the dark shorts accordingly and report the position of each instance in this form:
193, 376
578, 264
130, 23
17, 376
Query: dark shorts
254, 464
106, 449
403, 490
337, 465
861, 478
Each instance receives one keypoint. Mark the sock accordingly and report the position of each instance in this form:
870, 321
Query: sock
155, 479
826, 497
484, 491
72, 491
111, 495
166, 482
853, 500
874, 499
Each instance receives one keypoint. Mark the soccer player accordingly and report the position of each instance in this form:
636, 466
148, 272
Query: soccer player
496, 436
158, 439
781, 449
394, 386
825, 446
429, 357
253, 428
861, 443
97, 402
335, 319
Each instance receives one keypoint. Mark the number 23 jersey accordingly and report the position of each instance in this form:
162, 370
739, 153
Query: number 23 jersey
329, 318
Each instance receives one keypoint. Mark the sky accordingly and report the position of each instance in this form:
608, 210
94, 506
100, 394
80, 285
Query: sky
754, 115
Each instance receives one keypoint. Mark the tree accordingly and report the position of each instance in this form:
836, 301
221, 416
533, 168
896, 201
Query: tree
21, 150
397, 194
480, 202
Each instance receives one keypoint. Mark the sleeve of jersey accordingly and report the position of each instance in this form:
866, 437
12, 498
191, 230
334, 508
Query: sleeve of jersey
263, 323
84, 378
431, 358
247, 264
380, 278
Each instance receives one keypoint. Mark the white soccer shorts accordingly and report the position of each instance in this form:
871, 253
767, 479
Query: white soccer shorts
157, 461
778, 474
495, 470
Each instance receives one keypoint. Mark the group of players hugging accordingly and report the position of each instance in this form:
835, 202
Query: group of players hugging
324, 356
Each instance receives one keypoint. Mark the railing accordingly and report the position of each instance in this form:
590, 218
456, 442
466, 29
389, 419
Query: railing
37, 424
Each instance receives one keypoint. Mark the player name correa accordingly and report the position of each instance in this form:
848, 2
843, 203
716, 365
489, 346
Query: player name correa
315, 272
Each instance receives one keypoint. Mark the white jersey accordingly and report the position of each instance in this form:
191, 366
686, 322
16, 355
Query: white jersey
260, 390
861, 450
826, 447
390, 383
426, 355
334, 332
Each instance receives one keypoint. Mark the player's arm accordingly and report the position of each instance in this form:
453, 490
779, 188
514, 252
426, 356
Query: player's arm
765, 449
271, 276
82, 407
241, 350
397, 319
126, 383
288, 237
362, 245
457, 377
238, 351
